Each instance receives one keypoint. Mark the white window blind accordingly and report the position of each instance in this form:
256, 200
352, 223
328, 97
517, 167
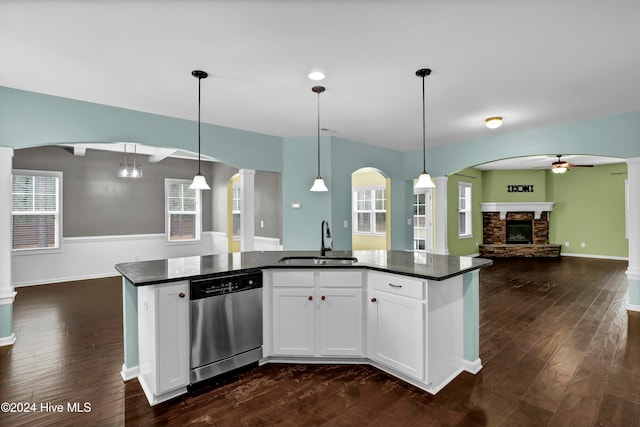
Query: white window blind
464, 209
235, 209
183, 211
370, 214
35, 209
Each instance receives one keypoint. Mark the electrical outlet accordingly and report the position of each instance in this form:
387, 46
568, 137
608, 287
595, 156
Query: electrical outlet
566, 243
261, 223
582, 245
346, 223
408, 221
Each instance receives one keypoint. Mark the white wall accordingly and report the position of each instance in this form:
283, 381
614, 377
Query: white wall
93, 257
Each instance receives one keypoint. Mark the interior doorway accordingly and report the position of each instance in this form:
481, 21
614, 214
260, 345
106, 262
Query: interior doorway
371, 210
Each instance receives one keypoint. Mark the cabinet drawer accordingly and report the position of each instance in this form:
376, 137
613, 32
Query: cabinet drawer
340, 279
298, 278
395, 284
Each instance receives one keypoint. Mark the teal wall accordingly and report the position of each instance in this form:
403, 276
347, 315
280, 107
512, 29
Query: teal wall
6, 320
30, 119
301, 227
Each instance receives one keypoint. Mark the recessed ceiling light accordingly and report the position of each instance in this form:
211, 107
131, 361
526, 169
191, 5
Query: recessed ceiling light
493, 122
316, 75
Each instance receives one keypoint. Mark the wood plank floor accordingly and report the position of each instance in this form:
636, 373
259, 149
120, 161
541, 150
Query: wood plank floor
557, 345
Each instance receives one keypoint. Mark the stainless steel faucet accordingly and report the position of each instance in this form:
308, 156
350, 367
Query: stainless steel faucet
324, 249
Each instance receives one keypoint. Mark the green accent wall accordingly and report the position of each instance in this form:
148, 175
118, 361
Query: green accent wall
590, 208
468, 245
495, 185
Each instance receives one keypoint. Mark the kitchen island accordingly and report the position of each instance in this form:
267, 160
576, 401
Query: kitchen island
414, 315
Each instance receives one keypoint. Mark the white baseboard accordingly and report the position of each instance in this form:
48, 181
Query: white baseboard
129, 373
10, 340
472, 367
632, 307
616, 258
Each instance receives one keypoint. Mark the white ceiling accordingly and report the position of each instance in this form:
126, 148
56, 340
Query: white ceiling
535, 62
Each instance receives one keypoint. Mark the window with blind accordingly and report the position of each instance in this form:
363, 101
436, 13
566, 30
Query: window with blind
35, 210
235, 209
183, 211
464, 210
370, 213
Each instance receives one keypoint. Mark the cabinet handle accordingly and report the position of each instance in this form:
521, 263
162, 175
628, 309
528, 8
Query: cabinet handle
181, 294
373, 299
310, 298
395, 286
323, 298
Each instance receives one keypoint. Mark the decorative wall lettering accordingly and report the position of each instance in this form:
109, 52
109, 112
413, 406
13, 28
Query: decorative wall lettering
520, 188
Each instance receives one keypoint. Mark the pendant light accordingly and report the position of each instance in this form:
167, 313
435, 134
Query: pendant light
424, 180
199, 181
318, 184
128, 170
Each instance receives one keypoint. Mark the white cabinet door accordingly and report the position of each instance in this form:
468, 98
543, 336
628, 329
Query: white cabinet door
172, 329
395, 332
340, 325
293, 321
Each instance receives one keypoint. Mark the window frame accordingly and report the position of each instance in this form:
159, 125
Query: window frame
236, 187
58, 235
416, 216
198, 213
467, 210
372, 211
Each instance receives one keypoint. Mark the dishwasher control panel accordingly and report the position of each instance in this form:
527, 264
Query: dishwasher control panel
221, 285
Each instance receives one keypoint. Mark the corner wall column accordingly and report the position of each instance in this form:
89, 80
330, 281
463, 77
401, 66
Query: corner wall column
440, 223
633, 229
247, 210
7, 292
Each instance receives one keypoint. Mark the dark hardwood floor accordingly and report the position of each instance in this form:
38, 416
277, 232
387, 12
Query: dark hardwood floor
557, 345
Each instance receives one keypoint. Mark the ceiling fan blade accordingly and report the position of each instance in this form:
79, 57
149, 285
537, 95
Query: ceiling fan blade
571, 165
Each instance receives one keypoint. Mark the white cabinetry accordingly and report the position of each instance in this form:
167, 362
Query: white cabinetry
163, 341
314, 313
396, 323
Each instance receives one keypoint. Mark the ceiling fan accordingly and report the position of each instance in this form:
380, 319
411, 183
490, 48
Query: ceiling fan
561, 166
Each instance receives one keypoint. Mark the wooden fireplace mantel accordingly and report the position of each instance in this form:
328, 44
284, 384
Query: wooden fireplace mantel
503, 207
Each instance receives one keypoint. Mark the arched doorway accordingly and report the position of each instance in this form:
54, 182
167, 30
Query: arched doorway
371, 210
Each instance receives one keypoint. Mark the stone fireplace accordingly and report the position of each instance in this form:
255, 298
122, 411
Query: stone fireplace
517, 229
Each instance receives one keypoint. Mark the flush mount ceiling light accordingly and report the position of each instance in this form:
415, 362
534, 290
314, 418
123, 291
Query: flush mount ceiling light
424, 180
493, 122
316, 75
128, 170
199, 181
318, 184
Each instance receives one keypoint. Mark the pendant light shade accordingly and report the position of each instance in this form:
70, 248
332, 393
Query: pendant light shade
318, 184
424, 180
199, 181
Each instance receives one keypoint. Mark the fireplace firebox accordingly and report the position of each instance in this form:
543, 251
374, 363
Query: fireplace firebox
519, 231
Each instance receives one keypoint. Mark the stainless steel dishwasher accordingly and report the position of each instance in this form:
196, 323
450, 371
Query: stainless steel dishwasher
226, 323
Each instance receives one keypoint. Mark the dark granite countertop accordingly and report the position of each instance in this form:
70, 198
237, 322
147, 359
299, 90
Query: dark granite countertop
427, 266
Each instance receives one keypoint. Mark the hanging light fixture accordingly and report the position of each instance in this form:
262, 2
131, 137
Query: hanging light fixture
123, 170
493, 122
424, 180
318, 184
128, 170
199, 181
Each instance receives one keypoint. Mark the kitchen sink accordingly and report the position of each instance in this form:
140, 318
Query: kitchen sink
317, 260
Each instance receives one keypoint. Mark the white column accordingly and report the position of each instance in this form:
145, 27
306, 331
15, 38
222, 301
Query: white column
440, 227
247, 210
633, 228
7, 293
